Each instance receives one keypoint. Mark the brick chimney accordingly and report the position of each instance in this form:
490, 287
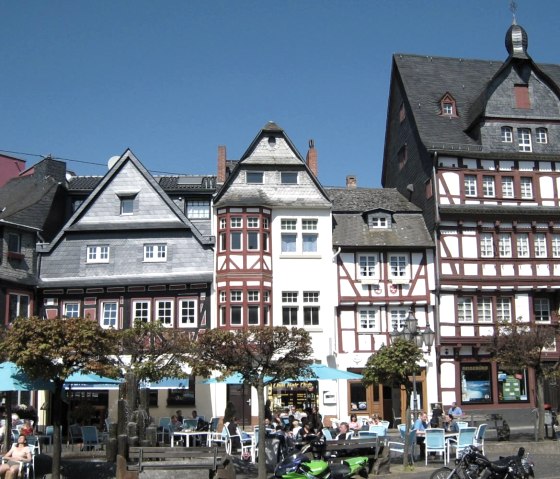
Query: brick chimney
221, 176
311, 159
351, 182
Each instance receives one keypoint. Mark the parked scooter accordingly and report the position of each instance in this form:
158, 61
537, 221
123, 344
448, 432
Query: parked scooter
475, 465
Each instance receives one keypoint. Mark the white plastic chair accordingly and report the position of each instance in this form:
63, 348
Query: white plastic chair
462, 424
435, 442
163, 428
385, 423
479, 436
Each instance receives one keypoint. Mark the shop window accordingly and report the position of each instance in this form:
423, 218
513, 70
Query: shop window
358, 397
476, 383
183, 396
512, 387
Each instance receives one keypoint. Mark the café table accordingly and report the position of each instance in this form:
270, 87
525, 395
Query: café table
187, 434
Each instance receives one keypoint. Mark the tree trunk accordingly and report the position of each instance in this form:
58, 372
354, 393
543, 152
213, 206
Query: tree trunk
262, 431
540, 405
57, 437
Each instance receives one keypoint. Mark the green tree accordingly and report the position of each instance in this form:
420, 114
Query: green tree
520, 345
260, 355
394, 365
54, 349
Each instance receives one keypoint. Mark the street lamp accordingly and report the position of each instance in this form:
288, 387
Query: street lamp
410, 332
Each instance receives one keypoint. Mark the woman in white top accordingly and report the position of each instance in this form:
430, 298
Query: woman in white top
18, 454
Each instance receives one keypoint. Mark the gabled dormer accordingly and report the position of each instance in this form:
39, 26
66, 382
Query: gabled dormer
378, 219
448, 106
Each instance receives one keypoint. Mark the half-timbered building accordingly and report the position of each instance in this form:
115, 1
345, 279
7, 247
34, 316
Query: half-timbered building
476, 145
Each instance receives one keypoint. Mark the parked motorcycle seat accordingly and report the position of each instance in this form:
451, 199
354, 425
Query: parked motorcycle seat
339, 471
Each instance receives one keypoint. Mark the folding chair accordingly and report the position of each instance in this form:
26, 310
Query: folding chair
90, 438
435, 442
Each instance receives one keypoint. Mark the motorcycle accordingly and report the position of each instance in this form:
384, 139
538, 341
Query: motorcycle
307, 464
474, 465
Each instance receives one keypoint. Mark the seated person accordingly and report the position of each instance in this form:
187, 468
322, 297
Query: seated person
353, 424
375, 420
421, 424
343, 431
437, 416
27, 428
455, 410
176, 425
16, 455
305, 433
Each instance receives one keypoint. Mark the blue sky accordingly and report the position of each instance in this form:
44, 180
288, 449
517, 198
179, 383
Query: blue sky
172, 80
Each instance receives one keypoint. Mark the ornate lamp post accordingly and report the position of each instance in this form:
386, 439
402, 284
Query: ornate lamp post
423, 338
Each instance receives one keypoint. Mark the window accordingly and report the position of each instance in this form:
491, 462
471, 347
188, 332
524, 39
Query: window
486, 245
556, 246
507, 134
398, 318
253, 222
253, 315
236, 315
309, 240
109, 310
367, 320
141, 311
289, 177
448, 105
398, 266
97, 254
289, 315
14, 243
402, 156
198, 209
253, 295
155, 252
253, 240
164, 312
464, 310
526, 188
223, 296
507, 187
512, 387
236, 296
311, 313
288, 239
368, 266
402, 113
71, 310
540, 245
476, 385
503, 310
541, 309
289, 296
235, 240
127, 205
447, 108
236, 222
265, 242
542, 135
488, 186
522, 245
288, 225
187, 313
223, 223
470, 185
255, 177
524, 139
504, 245
223, 243
378, 221
522, 96
484, 310
18, 307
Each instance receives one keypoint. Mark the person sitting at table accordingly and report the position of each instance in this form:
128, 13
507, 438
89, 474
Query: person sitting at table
353, 424
176, 425
450, 425
27, 428
305, 433
455, 410
375, 420
437, 416
421, 424
179, 415
344, 431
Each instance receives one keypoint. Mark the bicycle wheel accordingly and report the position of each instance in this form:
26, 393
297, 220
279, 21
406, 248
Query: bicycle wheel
444, 473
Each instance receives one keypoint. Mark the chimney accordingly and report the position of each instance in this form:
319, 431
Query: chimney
351, 182
221, 177
311, 159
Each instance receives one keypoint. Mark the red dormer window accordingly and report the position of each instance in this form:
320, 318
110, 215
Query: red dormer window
448, 106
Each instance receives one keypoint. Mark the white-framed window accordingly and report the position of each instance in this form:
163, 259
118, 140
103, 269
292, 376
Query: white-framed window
236, 315
484, 310
367, 320
255, 177
470, 185
488, 186
464, 310
236, 296
378, 221
154, 253
289, 296
235, 243
289, 315
266, 296
253, 222
141, 310
223, 296
288, 235
541, 309
288, 225
253, 295
127, 205
311, 315
109, 314
524, 139
504, 245
265, 222
503, 310
398, 318
507, 187
236, 222
555, 246
198, 209
253, 240
522, 245
367, 266
223, 242
397, 266
540, 245
309, 242
72, 310
253, 311
164, 312
289, 177
309, 224
97, 254
542, 135
223, 223
526, 187
447, 108
187, 313
486, 245
223, 316
311, 296
14, 243
507, 134
18, 306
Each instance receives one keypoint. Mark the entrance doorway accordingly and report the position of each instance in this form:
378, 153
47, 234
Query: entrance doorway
240, 396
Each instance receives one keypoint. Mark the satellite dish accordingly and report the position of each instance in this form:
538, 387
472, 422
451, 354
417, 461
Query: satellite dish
112, 161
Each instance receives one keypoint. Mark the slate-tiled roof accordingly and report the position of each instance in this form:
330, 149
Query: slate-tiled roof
350, 228
489, 212
168, 183
83, 183
426, 79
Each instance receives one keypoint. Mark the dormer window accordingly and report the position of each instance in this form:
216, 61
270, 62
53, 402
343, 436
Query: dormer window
448, 106
507, 134
542, 136
379, 220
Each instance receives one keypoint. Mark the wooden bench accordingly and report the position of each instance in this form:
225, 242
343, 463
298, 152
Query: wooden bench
174, 458
362, 446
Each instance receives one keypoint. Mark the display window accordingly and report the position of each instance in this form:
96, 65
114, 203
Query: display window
512, 387
476, 383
